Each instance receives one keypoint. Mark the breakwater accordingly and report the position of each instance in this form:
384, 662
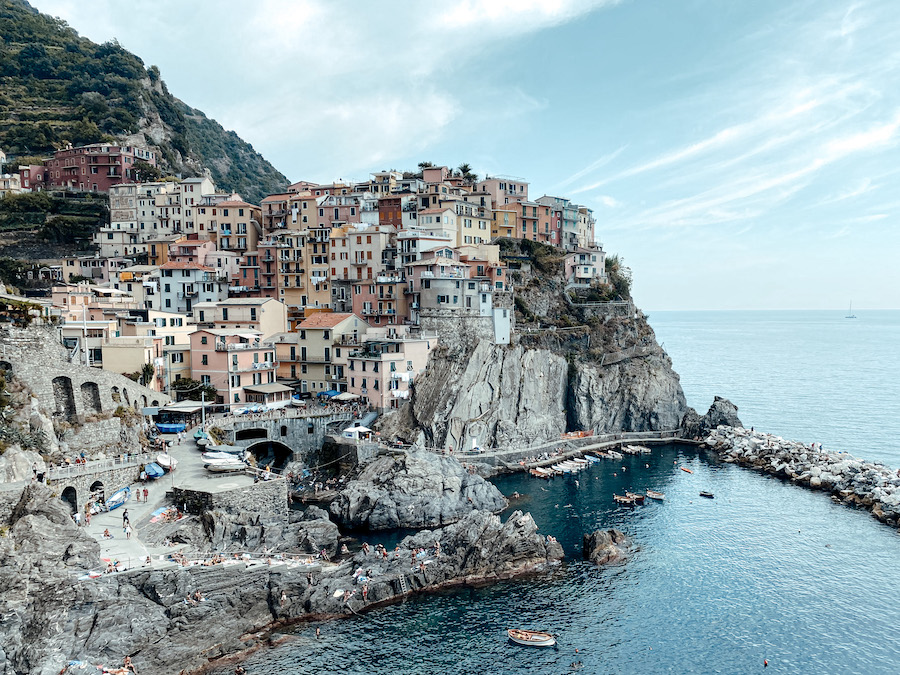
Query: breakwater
871, 485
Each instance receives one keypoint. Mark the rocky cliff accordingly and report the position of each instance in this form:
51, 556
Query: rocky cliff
51, 615
575, 365
415, 489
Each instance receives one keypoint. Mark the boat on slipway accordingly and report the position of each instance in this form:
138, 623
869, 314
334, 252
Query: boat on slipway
531, 638
118, 498
166, 461
154, 471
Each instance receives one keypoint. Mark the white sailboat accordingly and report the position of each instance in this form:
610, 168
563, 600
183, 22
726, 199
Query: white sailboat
850, 315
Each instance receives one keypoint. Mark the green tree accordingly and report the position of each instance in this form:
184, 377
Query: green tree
187, 389
145, 173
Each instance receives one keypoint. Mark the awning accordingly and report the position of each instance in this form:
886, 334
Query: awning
361, 430
330, 393
271, 388
346, 396
184, 407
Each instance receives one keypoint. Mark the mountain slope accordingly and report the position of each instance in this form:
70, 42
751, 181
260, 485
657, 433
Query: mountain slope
58, 87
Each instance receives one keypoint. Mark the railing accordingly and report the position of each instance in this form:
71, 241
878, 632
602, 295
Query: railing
98, 465
238, 346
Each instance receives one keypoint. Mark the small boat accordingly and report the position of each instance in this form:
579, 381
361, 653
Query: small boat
635, 497
851, 315
592, 458
579, 460
202, 442
653, 494
118, 498
207, 456
624, 500
531, 638
708, 495
166, 461
233, 450
615, 455
199, 433
224, 465
686, 470
154, 471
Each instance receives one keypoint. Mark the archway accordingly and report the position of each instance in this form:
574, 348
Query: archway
70, 497
90, 397
272, 454
5, 369
64, 397
98, 491
250, 434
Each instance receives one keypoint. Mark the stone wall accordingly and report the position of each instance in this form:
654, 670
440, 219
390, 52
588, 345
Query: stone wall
266, 496
111, 436
112, 479
303, 435
67, 391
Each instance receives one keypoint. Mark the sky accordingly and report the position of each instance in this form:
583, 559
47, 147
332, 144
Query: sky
737, 154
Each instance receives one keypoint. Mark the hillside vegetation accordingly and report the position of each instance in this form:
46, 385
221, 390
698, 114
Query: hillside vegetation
57, 87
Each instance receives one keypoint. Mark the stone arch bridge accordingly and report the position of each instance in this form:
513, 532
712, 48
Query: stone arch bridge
285, 438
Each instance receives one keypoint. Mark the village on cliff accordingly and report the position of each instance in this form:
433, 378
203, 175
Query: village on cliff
335, 290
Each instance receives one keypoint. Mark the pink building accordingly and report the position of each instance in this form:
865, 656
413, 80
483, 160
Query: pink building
239, 365
381, 371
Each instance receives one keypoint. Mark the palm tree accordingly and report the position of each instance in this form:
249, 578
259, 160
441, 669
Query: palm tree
465, 170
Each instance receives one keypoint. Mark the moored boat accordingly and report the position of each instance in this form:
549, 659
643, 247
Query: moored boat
653, 494
531, 638
118, 498
623, 500
634, 496
686, 470
615, 455
592, 458
708, 495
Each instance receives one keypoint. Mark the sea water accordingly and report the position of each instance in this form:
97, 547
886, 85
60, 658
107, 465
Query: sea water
765, 571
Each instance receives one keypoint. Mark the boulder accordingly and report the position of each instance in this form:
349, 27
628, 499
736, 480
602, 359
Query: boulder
17, 464
414, 489
721, 412
605, 547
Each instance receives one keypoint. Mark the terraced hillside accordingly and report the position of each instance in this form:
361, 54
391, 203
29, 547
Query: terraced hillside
57, 87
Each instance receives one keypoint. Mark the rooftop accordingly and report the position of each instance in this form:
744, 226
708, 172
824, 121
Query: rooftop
324, 320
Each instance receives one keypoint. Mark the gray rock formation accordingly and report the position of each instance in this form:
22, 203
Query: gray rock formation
310, 531
415, 489
50, 616
722, 412
606, 376
871, 485
605, 547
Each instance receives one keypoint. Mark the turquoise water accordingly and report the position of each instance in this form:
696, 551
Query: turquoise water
766, 570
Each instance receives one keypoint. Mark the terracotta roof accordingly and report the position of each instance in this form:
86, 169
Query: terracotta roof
278, 197
323, 320
235, 203
185, 266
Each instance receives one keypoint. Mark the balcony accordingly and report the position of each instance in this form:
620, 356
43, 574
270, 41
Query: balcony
237, 346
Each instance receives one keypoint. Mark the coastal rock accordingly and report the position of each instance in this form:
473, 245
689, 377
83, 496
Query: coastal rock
52, 616
604, 547
309, 532
607, 375
852, 481
415, 489
721, 413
